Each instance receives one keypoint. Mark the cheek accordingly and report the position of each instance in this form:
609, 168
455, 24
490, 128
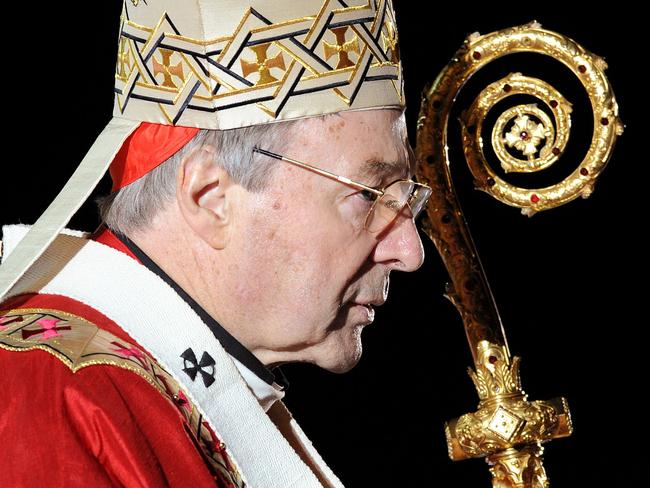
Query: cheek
308, 258
300, 252
321, 251
282, 254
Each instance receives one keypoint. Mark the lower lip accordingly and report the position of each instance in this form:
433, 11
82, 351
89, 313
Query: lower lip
368, 310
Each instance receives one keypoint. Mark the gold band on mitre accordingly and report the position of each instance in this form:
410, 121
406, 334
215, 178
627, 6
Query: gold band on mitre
221, 65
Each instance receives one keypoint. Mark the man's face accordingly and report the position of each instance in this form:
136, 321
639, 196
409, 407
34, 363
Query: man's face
308, 267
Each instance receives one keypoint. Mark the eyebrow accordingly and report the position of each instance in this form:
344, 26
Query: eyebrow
376, 167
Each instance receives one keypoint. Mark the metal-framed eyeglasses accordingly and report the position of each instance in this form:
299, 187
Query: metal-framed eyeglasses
387, 202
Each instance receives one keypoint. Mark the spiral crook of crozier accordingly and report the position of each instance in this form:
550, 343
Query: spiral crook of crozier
525, 138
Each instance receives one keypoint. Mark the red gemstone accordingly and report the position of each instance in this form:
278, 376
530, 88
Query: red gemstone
556, 151
604, 121
491, 182
534, 198
584, 171
582, 68
524, 135
476, 55
492, 359
553, 103
507, 88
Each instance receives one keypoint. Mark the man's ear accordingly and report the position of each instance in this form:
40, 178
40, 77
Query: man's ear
204, 195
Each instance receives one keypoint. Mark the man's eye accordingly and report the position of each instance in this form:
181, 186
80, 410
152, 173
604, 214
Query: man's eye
368, 195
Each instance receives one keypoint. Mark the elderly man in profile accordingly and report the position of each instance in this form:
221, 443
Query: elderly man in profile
148, 353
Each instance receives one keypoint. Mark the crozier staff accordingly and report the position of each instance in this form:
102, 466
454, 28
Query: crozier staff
262, 195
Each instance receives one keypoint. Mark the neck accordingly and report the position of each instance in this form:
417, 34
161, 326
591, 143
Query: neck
205, 279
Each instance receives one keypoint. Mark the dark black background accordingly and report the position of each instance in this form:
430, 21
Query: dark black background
564, 280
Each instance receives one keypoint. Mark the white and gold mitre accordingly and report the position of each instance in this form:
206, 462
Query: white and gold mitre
222, 64
226, 64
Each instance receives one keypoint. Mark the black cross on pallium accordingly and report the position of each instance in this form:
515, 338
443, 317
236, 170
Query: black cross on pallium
192, 366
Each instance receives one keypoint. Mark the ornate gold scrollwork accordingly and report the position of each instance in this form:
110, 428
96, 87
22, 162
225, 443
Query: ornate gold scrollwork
507, 429
505, 418
526, 138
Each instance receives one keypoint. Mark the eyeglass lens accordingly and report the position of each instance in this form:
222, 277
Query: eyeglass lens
400, 195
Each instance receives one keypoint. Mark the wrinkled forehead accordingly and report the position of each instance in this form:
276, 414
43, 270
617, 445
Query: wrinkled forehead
367, 145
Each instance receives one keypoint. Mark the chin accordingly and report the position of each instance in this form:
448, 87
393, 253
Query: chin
343, 355
343, 366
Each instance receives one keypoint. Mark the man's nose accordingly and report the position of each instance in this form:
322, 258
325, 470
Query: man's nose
400, 245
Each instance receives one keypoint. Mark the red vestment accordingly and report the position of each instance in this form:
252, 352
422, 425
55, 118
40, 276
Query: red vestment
101, 425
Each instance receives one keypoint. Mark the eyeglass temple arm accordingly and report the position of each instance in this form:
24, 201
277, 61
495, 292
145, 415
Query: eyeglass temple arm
322, 172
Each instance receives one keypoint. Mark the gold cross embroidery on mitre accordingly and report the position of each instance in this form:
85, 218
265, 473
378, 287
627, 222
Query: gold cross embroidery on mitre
390, 41
342, 48
124, 58
166, 69
262, 64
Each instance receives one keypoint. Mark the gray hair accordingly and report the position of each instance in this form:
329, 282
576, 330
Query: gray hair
133, 207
